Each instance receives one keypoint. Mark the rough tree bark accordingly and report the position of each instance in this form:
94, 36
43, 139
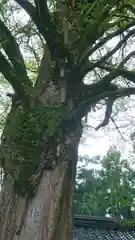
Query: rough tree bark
39, 145
47, 214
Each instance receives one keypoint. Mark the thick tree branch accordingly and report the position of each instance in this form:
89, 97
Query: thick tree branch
104, 85
11, 48
129, 75
9, 73
84, 107
81, 110
44, 72
41, 9
46, 26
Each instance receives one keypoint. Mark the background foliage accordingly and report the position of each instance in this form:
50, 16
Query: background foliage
107, 187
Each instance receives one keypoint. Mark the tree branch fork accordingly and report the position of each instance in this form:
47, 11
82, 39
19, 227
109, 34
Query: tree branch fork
14, 70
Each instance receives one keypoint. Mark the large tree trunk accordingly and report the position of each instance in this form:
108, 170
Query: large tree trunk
38, 154
48, 214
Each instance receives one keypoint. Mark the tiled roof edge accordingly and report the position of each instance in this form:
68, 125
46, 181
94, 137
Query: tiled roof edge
104, 223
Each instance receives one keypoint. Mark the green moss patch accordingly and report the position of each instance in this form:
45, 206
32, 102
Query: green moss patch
21, 152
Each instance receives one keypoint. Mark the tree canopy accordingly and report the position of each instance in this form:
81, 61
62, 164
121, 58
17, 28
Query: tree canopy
88, 27
107, 187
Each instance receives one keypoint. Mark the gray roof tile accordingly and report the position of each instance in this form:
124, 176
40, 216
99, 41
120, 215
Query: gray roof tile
101, 229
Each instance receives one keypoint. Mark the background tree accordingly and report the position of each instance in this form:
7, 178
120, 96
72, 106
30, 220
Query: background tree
107, 187
39, 144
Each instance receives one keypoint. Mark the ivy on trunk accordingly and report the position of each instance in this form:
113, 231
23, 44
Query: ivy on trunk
39, 145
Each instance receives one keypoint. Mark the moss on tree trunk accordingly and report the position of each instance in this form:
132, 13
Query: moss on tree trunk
37, 192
